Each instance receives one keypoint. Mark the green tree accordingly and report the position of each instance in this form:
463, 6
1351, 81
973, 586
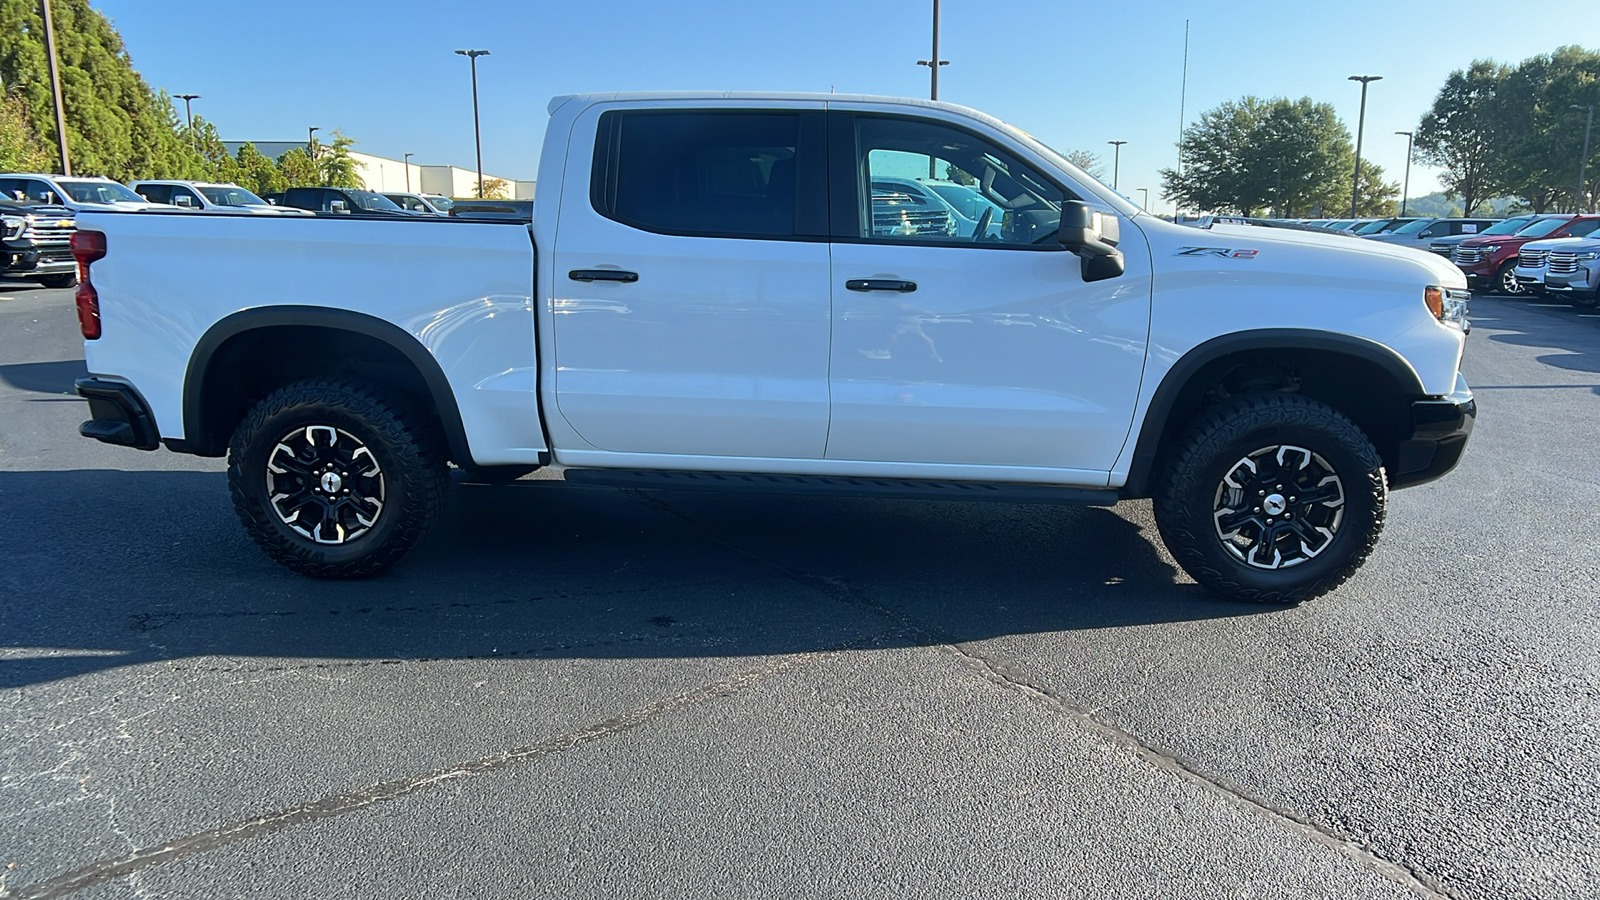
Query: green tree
494, 188
257, 173
20, 147
335, 167
116, 125
1089, 162
298, 169
1464, 134
1252, 155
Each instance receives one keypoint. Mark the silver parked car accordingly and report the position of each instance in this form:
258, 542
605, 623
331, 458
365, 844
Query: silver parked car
1572, 270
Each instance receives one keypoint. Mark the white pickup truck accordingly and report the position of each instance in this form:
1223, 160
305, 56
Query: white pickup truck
712, 296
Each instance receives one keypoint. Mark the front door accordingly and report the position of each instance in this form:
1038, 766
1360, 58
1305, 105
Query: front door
972, 343
691, 271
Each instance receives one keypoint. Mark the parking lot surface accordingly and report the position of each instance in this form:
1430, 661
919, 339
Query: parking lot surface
586, 692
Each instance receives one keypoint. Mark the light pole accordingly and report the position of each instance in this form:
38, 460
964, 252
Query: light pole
1361, 124
1583, 161
1146, 193
1277, 189
311, 142
934, 62
477, 136
188, 114
55, 87
1406, 188
406, 164
1116, 162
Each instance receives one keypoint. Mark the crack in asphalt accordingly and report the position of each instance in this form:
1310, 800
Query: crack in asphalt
1011, 675
144, 858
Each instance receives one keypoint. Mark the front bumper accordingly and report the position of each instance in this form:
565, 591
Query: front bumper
31, 263
1579, 282
120, 415
1439, 431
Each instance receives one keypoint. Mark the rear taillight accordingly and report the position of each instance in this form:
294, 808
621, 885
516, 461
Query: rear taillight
88, 246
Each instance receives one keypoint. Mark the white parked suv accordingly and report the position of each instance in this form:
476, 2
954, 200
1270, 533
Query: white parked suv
209, 196
74, 192
705, 299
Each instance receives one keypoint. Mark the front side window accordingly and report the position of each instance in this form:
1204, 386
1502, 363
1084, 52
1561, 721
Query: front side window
727, 174
925, 182
232, 196
155, 193
100, 192
1584, 228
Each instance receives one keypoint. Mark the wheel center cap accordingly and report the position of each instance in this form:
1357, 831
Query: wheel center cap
1274, 505
332, 483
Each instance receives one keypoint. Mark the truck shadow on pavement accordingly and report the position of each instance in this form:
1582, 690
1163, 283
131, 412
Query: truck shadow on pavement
44, 377
1576, 341
109, 568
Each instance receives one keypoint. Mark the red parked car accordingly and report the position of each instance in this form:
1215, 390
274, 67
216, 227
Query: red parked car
1490, 261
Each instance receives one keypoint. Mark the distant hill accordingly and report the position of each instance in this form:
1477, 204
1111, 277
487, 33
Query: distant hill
1439, 204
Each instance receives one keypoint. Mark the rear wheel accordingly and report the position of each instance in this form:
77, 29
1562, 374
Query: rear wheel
334, 479
63, 280
1272, 498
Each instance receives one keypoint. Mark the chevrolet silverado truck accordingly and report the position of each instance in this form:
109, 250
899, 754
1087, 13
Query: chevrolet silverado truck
705, 299
35, 243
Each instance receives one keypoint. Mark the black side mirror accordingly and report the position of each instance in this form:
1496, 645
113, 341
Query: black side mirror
1093, 236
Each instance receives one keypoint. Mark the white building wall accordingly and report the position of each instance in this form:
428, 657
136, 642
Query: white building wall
379, 173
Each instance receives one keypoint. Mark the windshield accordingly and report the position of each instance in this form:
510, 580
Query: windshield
1372, 227
1542, 227
1412, 227
370, 200
100, 192
966, 201
442, 204
1509, 226
232, 196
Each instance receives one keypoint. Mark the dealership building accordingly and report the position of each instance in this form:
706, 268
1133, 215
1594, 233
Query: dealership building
379, 173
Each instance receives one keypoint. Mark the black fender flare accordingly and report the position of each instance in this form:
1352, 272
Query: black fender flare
1154, 426
198, 440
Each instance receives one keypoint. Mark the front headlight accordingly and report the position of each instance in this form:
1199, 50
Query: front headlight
12, 226
1587, 256
1489, 248
1447, 305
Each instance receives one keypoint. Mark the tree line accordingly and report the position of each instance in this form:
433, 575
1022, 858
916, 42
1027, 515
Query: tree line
117, 126
1493, 131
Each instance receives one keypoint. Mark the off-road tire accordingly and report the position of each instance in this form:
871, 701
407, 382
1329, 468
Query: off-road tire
63, 280
408, 451
1208, 452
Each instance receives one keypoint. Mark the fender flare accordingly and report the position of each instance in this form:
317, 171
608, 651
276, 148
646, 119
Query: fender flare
1153, 427
197, 439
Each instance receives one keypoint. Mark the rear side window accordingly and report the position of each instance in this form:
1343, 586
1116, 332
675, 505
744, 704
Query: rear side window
706, 173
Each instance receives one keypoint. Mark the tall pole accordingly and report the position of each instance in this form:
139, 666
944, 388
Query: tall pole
1277, 190
406, 164
1183, 95
55, 87
1583, 161
1146, 193
477, 135
1406, 190
1361, 124
188, 112
311, 142
933, 63
1116, 164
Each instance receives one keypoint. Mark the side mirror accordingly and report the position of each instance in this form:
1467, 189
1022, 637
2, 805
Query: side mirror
338, 206
1093, 236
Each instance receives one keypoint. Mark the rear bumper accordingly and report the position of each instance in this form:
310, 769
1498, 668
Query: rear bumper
1440, 428
118, 415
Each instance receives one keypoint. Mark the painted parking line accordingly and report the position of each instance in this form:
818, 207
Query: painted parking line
1549, 305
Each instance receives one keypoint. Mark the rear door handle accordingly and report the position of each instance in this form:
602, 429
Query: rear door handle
880, 284
603, 275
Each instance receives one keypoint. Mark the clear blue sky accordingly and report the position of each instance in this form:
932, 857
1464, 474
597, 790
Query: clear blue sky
1075, 74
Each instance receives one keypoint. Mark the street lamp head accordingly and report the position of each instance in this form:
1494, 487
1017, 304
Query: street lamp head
1574, 106
1366, 78
474, 54
1406, 133
187, 96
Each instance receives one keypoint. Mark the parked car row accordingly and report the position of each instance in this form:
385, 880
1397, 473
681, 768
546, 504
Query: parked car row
1495, 261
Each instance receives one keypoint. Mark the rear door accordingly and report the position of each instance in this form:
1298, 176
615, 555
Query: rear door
981, 346
691, 268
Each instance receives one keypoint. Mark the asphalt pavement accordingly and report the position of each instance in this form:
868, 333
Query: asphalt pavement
587, 692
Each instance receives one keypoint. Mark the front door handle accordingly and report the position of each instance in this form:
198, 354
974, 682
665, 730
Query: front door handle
603, 275
880, 284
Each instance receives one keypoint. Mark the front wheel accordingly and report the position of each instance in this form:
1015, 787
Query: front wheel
1506, 281
1272, 498
63, 280
334, 479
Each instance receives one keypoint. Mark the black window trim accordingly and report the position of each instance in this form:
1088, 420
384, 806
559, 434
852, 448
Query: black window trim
811, 161
844, 185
